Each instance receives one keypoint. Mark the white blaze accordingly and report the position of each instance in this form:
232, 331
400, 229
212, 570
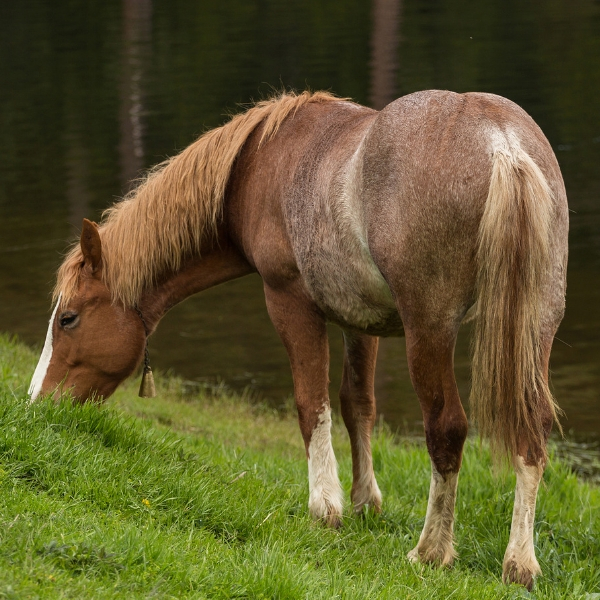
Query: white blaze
40, 371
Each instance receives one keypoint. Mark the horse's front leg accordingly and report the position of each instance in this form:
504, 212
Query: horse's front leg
302, 329
430, 358
357, 398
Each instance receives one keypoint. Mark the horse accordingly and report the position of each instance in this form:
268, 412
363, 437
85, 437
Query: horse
407, 221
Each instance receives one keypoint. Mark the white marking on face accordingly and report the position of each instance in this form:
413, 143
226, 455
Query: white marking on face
42, 367
325, 491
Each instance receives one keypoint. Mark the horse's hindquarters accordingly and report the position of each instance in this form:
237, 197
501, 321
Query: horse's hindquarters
465, 202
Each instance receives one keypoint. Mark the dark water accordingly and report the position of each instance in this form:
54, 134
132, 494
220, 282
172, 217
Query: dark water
91, 93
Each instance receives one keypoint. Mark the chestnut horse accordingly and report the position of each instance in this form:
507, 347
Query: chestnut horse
387, 223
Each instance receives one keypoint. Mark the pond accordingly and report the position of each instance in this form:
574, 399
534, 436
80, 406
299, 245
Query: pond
93, 93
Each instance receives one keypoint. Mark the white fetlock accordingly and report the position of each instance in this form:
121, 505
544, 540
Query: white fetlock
520, 564
325, 501
435, 544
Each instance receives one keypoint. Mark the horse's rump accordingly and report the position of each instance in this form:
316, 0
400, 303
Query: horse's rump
475, 209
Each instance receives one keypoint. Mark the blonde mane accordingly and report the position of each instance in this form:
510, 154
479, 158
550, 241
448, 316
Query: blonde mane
176, 205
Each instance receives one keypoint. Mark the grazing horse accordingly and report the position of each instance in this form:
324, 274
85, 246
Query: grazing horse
390, 223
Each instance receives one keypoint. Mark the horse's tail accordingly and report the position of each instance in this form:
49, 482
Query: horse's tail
510, 398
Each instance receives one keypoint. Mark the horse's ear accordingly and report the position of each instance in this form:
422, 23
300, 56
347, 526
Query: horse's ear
91, 245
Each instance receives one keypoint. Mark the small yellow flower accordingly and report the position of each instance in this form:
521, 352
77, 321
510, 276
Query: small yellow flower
51, 578
146, 502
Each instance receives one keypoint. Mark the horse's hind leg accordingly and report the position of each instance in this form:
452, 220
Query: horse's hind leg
357, 399
520, 564
430, 357
303, 332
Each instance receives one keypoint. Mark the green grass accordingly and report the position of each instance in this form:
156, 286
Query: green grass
195, 496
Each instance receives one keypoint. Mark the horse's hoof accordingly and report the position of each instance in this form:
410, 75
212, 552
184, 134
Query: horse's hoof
523, 574
367, 498
436, 556
413, 556
364, 509
326, 514
363, 506
332, 521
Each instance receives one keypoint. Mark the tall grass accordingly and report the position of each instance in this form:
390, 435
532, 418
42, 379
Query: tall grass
195, 496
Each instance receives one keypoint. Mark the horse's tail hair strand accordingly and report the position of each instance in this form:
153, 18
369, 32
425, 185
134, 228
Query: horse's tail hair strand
510, 397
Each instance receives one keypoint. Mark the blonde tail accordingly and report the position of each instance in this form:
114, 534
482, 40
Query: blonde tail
510, 398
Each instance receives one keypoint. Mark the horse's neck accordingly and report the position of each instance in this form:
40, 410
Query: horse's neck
219, 264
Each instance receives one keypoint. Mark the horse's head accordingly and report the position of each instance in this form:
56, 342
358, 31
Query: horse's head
92, 343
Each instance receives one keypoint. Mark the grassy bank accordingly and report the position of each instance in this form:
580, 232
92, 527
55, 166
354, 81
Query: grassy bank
188, 496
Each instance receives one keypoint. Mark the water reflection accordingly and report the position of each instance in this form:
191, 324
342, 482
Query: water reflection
384, 53
77, 163
136, 52
92, 96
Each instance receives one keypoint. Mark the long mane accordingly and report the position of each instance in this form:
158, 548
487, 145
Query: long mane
178, 203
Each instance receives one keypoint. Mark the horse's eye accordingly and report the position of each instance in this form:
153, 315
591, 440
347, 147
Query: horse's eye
68, 320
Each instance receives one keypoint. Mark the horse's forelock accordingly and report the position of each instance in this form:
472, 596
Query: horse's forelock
68, 276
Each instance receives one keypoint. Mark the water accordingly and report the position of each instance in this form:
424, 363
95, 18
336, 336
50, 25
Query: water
92, 94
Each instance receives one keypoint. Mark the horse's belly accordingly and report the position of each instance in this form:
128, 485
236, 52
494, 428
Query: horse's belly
350, 290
